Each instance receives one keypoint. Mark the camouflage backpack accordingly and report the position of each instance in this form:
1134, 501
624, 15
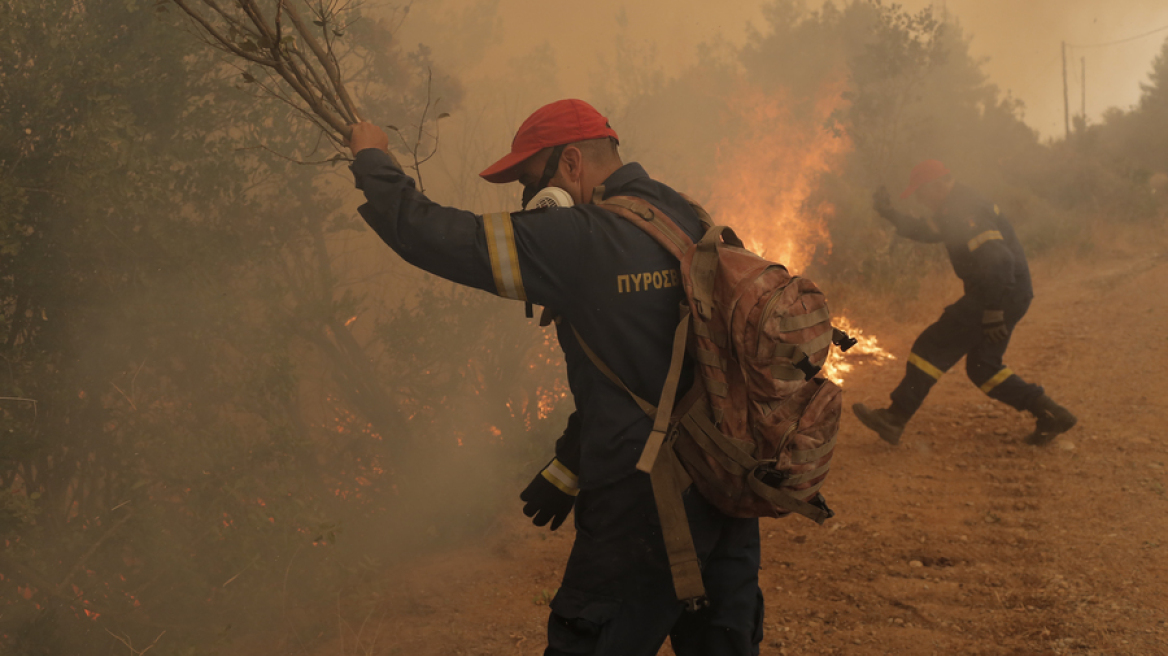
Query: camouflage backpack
756, 432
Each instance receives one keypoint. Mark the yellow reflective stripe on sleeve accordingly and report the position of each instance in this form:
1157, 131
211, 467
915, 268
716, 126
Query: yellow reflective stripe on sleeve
504, 255
988, 235
998, 379
925, 366
562, 477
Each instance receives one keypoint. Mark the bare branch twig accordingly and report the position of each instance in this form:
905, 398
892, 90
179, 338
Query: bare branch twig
318, 92
220, 40
330, 66
332, 160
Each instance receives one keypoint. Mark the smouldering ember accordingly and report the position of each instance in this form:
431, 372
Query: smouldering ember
866, 347
555, 390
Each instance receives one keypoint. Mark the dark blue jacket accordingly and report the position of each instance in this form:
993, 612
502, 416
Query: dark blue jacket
603, 275
983, 248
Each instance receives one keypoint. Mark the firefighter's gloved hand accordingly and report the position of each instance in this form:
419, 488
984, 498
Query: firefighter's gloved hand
551, 495
993, 326
882, 203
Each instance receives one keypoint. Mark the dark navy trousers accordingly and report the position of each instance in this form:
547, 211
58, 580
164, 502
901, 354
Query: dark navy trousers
959, 333
617, 596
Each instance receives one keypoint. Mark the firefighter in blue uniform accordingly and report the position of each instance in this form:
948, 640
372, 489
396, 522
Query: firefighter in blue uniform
614, 286
988, 258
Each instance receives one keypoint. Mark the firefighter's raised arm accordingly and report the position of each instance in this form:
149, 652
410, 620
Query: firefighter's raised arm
531, 256
907, 226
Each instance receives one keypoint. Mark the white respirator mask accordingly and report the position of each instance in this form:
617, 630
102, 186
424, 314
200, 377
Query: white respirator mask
549, 197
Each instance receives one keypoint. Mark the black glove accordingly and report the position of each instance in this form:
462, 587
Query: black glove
993, 326
882, 203
550, 495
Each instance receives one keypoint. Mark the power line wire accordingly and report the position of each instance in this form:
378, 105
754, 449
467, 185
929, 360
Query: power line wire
1118, 41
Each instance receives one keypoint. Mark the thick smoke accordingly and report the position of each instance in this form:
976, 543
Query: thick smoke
248, 408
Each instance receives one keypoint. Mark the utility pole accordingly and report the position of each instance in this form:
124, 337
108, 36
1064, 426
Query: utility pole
1083, 107
1066, 98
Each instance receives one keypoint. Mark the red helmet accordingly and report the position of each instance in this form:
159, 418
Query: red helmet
922, 174
561, 122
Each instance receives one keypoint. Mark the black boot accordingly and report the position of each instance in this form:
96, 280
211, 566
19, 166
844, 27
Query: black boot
887, 422
1053, 420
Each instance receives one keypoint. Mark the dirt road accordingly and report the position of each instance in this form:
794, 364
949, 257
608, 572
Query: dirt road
962, 540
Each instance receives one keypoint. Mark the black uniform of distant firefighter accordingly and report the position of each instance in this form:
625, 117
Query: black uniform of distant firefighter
615, 289
988, 258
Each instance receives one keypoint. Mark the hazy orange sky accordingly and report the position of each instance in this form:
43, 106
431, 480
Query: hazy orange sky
1021, 40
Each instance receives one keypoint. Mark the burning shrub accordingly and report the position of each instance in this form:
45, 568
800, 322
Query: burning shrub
823, 106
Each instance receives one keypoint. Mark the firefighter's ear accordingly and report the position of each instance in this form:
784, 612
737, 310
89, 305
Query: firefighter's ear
572, 164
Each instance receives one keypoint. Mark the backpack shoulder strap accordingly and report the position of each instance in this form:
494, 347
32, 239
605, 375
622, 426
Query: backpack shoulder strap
667, 475
667, 233
663, 412
707, 220
705, 267
645, 216
647, 407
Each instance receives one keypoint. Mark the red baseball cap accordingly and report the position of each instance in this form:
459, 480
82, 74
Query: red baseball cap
561, 122
922, 174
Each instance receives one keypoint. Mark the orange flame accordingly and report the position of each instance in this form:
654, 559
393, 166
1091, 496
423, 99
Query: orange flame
766, 175
765, 184
866, 347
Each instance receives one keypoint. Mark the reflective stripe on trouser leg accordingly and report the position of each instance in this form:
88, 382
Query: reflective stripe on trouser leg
1012, 390
936, 350
925, 366
919, 377
996, 380
984, 366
